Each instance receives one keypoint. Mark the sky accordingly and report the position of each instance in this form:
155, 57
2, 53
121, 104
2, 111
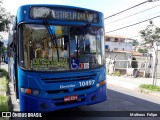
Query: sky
108, 8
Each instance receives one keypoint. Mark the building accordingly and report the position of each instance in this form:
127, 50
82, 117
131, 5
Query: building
120, 50
113, 42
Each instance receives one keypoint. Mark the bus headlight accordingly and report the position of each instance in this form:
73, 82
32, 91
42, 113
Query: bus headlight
29, 91
22, 90
97, 85
36, 92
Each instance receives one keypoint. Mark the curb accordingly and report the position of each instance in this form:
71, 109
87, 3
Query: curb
141, 90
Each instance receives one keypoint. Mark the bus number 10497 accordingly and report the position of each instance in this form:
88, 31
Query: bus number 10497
86, 83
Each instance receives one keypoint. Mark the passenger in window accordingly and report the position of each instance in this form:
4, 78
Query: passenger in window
45, 54
53, 53
64, 54
38, 51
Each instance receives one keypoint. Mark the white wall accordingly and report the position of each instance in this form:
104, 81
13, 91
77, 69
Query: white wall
119, 45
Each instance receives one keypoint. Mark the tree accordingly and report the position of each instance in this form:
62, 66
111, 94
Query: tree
143, 50
150, 35
135, 43
5, 18
4, 49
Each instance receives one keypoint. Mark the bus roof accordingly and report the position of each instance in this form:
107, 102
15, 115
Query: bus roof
56, 6
58, 14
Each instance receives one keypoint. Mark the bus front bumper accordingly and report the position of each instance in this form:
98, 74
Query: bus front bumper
36, 104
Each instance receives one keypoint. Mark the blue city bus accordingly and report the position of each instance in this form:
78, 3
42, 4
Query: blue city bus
57, 57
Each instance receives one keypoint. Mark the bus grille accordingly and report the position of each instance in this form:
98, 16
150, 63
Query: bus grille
66, 90
48, 80
68, 79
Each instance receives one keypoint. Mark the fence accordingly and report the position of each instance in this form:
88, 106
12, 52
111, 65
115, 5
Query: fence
126, 67
158, 66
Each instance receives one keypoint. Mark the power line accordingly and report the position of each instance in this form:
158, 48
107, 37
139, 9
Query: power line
131, 8
136, 20
133, 24
126, 9
133, 14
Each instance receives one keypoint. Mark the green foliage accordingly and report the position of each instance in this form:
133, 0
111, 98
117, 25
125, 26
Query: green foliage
4, 73
4, 49
150, 87
117, 73
134, 63
140, 50
135, 43
143, 50
3, 84
5, 18
151, 34
3, 103
3, 97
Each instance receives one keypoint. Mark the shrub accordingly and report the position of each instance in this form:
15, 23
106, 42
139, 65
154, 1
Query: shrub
117, 73
150, 87
4, 73
3, 103
3, 84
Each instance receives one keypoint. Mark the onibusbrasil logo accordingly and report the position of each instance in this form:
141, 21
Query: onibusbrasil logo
19, 114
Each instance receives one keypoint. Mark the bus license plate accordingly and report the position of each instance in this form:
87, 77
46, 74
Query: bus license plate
70, 98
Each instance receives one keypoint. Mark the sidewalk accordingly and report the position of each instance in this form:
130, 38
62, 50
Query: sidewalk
129, 82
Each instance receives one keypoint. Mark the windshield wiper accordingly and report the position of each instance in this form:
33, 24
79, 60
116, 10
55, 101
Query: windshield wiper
76, 37
53, 37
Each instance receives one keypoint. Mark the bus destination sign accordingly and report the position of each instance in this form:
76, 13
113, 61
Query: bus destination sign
62, 14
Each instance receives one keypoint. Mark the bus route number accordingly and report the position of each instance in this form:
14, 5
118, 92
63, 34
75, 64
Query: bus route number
86, 83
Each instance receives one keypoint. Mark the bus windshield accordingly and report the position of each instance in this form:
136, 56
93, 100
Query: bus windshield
58, 48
